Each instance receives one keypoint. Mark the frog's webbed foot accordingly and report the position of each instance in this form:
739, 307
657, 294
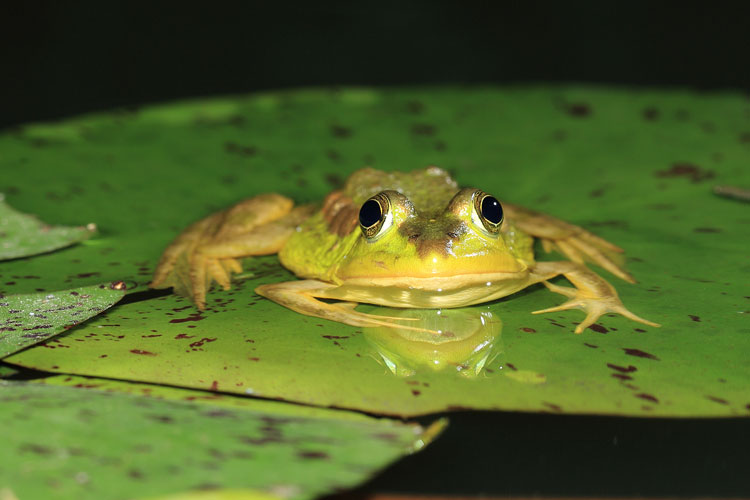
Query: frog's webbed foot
576, 243
209, 250
302, 297
591, 293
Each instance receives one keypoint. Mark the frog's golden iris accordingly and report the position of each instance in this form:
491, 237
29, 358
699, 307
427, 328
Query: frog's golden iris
422, 242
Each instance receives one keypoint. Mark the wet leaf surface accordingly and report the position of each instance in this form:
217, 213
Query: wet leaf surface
83, 438
29, 319
635, 167
22, 235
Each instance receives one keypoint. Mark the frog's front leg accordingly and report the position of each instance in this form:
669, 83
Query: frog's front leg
591, 293
207, 250
302, 296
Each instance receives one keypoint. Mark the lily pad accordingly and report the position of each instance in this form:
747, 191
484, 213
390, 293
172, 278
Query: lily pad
22, 235
95, 439
636, 167
29, 319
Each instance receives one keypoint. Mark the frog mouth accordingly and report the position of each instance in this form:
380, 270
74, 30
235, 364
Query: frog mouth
437, 283
431, 292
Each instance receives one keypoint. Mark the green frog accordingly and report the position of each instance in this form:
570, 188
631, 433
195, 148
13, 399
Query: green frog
404, 240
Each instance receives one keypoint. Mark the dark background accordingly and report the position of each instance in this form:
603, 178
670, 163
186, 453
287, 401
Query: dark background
63, 58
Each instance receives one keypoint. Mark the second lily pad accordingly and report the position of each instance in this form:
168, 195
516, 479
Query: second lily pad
79, 438
28, 319
22, 235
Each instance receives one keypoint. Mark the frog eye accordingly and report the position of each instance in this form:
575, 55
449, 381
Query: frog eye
375, 216
489, 211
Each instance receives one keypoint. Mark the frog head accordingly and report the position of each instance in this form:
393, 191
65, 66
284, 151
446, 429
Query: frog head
459, 244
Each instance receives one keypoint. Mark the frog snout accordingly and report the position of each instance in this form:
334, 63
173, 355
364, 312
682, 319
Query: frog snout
435, 238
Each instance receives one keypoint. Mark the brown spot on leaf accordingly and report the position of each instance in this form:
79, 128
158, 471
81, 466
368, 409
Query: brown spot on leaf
234, 148
199, 343
193, 317
142, 352
314, 455
650, 113
622, 369
639, 353
415, 107
423, 129
598, 328
579, 110
87, 275
386, 436
334, 180
688, 170
35, 448
695, 318
706, 230
647, 397
553, 407
715, 399
340, 131
528, 330
165, 419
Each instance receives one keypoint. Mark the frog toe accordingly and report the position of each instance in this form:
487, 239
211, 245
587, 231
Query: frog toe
594, 307
231, 265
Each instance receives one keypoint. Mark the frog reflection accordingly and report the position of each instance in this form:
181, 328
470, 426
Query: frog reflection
462, 341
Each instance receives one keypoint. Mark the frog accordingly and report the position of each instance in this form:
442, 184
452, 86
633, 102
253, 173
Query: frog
397, 239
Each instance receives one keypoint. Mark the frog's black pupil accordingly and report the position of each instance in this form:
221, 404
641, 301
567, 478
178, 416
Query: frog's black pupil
369, 214
491, 210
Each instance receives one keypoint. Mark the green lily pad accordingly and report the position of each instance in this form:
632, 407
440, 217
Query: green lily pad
635, 166
84, 438
22, 235
29, 319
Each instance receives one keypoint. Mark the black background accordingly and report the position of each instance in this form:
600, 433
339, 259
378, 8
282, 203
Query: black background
63, 58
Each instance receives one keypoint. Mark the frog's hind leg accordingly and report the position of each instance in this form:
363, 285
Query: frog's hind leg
209, 250
591, 293
302, 297
576, 243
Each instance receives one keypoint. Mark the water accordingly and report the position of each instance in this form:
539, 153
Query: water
462, 341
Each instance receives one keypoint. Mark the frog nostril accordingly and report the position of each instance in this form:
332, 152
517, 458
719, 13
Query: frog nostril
414, 237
